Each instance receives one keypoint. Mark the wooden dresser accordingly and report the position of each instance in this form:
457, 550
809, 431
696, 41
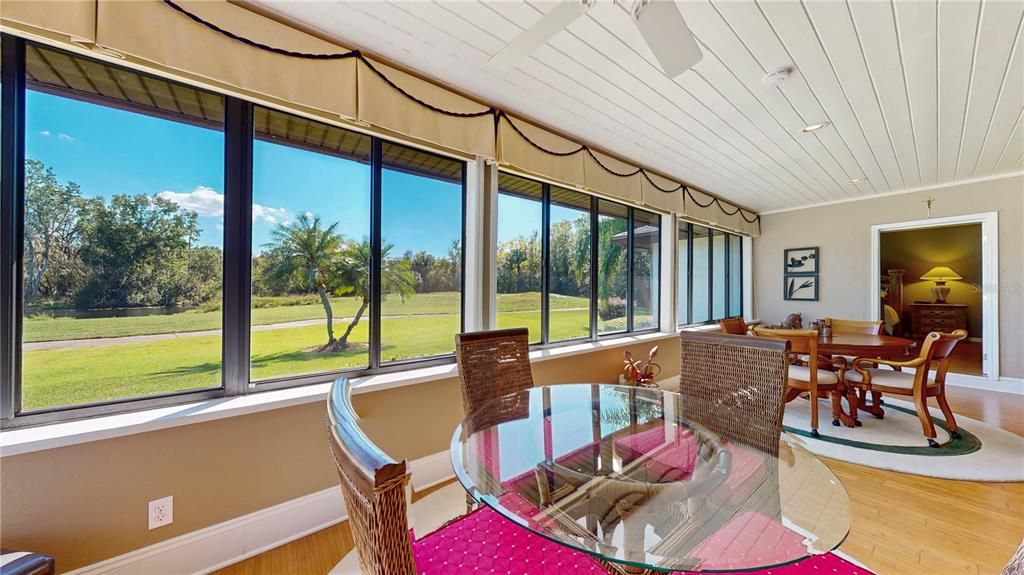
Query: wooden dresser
944, 317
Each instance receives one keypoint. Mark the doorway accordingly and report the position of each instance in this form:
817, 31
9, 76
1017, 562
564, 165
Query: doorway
937, 275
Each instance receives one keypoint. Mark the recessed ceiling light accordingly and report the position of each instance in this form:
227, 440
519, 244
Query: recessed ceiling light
857, 180
815, 127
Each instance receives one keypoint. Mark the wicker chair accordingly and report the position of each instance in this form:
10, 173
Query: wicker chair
374, 487
733, 326
734, 385
816, 377
492, 364
869, 377
1016, 564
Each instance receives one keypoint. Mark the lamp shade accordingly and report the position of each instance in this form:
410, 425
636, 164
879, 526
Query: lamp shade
941, 274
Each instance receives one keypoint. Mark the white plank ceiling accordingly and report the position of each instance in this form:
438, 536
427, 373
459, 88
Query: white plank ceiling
918, 92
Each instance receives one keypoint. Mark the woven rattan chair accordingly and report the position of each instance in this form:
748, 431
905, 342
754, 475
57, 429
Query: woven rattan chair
868, 375
734, 385
374, 487
1016, 564
816, 377
733, 325
492, 364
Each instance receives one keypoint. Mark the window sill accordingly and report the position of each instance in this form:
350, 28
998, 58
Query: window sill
31, 439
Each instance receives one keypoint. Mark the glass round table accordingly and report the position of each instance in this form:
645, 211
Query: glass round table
620, 473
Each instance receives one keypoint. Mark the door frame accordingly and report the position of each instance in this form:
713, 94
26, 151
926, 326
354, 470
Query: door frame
989, 276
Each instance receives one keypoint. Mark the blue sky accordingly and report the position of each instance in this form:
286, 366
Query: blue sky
109, 152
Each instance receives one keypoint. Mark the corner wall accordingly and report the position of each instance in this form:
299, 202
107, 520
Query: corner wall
85, 503
843, 234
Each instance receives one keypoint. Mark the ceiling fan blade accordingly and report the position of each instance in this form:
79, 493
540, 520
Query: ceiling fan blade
563, 14
668, 36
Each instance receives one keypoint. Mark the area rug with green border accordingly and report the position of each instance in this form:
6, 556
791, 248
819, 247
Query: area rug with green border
983, 452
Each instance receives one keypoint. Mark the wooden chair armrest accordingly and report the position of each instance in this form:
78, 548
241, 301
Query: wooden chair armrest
893, 363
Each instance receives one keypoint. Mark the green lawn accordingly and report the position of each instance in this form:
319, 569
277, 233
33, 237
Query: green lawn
42, 327
70, 376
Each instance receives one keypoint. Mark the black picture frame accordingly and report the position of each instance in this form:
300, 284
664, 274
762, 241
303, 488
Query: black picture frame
794, 287
800, 261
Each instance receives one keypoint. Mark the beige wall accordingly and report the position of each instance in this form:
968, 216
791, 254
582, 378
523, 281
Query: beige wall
843, 232
917, 251
85, 503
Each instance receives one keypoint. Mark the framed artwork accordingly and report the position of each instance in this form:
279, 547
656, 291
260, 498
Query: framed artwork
800, 261
800, 287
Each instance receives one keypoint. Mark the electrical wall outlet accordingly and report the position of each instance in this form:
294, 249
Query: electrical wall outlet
161, 512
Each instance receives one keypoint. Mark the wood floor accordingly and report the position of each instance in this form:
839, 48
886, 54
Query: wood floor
966, 358
900, 524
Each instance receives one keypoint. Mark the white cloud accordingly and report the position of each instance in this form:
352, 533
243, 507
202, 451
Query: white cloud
60, 136
203, 200
206, 201
268, 214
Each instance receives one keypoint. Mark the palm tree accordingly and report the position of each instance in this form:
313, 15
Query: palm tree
309, 258
396, 277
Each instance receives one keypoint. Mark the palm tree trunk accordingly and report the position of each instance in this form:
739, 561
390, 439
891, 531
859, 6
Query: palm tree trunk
359, 314
330, 314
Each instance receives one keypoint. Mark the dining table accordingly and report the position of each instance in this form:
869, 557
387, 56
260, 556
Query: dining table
864, 345
619, 473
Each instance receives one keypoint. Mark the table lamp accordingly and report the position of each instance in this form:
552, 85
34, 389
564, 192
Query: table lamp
940, 275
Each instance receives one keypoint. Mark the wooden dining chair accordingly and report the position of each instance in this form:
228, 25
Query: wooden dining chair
733, 326
817, 377
868, 375
492, 364
374, 487
856, 326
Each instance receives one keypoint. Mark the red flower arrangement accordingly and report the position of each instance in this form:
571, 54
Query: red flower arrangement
642, 373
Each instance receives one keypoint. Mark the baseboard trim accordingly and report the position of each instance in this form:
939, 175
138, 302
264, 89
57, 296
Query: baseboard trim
431, 470
211, 548
1003, 384
217, 546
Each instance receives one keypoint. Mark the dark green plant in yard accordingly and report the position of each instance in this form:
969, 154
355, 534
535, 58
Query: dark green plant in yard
136, 251
312, 258
310, 261
396, 278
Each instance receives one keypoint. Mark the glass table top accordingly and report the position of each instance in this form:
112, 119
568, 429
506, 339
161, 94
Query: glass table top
619, 473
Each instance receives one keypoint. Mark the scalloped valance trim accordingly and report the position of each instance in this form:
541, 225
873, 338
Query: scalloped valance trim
499, 115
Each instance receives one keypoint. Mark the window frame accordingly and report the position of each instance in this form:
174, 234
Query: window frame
593, 212
239, 138
727, 283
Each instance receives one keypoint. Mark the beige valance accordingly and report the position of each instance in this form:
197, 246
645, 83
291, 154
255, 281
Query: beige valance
653, 187
73, 19
602, 180
560, 159
382, 105
704, 207
185, 40
152, 31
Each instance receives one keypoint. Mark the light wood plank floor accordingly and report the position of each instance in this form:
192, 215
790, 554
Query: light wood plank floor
901, 524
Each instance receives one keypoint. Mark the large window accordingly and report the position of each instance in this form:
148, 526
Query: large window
568, 265
310, 247
421, 253
646, 268
559, 301
710, 274
168, 244
520, 254
123, 234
